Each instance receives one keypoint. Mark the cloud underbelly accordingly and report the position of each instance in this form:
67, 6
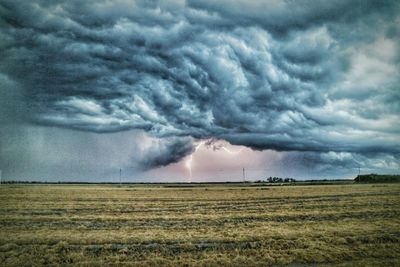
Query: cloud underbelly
279, 79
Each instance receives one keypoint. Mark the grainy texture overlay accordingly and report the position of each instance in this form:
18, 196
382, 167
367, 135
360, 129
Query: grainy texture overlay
338, 225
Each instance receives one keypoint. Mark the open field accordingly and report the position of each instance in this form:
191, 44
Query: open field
332, 225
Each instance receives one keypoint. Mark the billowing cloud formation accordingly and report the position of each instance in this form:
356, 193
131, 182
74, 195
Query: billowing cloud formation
162, 152
304, 76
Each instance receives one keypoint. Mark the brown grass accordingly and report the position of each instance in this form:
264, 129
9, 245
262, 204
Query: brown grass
91, 225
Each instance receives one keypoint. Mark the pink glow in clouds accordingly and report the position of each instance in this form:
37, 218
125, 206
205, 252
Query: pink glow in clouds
221, 161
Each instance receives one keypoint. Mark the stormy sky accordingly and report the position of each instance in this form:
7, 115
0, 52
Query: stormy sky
307, 89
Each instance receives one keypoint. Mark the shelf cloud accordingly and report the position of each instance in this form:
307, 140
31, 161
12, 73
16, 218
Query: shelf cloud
310, 76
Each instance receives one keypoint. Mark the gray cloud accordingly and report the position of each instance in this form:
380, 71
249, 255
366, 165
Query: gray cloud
304, 76
338, 164
163, 152
48, 153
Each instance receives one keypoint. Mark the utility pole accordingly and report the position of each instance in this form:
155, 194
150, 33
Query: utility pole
120, 171
0, 177
244, 175
359, 170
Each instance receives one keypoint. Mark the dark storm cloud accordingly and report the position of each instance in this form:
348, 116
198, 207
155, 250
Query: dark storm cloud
305, 75
164, 152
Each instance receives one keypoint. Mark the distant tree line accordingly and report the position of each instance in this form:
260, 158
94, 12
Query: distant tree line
277, 180
377, 178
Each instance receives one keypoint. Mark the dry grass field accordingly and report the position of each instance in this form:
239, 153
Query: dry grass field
94, 225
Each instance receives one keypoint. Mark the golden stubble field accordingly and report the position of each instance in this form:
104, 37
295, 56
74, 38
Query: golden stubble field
94, 225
